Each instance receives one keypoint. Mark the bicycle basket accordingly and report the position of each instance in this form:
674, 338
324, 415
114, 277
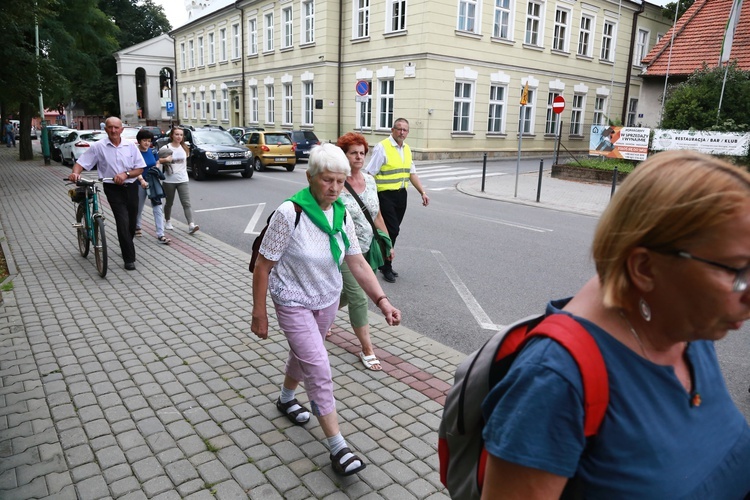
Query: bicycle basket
77, 195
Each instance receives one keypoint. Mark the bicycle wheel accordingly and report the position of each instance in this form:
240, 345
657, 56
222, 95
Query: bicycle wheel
82, 230
100, 246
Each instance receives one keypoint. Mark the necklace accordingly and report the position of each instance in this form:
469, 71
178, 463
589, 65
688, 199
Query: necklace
635, 335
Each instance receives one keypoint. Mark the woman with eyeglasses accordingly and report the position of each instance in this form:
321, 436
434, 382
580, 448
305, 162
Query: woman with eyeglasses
672, 255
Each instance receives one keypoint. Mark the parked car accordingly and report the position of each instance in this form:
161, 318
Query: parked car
158, 133
303, 141
214, 151
78, 142
55, 136
270, 149
238, 132
129, 133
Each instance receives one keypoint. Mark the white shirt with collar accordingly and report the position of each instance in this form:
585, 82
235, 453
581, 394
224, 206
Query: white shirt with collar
111, 160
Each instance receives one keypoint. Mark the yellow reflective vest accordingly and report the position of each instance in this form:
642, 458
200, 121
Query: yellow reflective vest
394, 174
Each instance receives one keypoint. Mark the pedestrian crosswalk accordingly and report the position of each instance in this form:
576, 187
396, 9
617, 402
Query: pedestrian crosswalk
441, 177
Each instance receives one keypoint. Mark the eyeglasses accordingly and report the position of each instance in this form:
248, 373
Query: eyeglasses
401, 129
741, 274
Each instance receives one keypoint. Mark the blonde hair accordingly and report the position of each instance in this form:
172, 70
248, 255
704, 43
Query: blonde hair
669, 199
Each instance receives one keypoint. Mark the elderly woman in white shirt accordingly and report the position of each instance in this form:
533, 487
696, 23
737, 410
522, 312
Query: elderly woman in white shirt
299, 263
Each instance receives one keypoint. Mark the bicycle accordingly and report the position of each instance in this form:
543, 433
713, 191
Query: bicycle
90, 221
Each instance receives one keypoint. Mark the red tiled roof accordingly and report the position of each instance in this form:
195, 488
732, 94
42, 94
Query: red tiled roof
698, 39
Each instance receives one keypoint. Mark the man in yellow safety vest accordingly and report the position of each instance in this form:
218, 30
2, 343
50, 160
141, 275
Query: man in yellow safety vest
392, 166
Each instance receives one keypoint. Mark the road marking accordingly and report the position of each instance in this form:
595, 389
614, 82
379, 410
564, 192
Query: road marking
451, 177
471, 303
250, 229
518, 225
225, 208
442, 188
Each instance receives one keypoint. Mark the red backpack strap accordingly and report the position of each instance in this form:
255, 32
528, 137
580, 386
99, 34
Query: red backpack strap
583, 348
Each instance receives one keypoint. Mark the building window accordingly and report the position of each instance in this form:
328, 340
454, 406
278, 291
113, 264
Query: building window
308, 103
203, 104
213, 105
201, 61
194, 105
308, 9
560, 36
550, 126
395, 15
632, 112
462, 104
641, 46
534, 14
191, 54
361, 19
496, 115
252, 37
527, 112
211, 49
467, 15
585, 35
286, 15
385, 104
270, 110
223, 44
225, 104
269, 31
254, 104
600, 104
364, 110
236, 41
183, 63
608, 36
287, 110
501, 25
576, 115
186, 104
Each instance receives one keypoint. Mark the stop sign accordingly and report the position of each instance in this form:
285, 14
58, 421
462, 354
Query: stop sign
558, 104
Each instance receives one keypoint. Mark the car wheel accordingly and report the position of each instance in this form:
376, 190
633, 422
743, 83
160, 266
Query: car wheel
290, 168
248, 172
198, 174
258, 165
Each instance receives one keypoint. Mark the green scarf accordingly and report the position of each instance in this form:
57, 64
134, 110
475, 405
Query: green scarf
305, 199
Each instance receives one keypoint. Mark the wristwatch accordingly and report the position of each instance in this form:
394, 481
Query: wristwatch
127, 172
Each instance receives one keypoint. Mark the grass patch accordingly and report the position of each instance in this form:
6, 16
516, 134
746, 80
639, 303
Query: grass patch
7, 287
608, 164
209, 446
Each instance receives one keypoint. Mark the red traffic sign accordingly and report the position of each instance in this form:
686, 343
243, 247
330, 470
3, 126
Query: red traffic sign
363, 87
558, 104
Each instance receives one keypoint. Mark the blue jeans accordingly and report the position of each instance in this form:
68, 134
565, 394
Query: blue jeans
158, 213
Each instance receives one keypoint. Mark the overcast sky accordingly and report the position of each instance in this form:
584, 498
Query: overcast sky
177, 14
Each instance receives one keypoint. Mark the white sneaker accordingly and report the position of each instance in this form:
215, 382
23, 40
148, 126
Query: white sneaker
168, 225
193, 228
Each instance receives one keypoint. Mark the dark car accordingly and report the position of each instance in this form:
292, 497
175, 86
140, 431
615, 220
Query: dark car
214, 151
56, 135
303, 141
158, 133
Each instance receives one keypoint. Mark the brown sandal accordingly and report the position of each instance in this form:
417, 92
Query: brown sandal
339, 465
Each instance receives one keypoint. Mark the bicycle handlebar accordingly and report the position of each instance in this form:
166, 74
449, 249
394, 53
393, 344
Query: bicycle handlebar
82, 181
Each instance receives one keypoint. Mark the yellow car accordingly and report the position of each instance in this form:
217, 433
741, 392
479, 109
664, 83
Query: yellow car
270, 149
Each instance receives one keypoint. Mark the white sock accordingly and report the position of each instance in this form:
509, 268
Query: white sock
286, 396
336, 444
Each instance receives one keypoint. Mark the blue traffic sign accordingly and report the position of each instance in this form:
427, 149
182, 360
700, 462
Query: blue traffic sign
170, 106
363, 87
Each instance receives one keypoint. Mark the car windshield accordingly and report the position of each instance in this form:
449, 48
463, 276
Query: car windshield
277, 139
96, 136
216, 137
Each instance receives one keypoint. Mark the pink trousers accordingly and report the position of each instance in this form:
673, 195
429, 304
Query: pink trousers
305, 332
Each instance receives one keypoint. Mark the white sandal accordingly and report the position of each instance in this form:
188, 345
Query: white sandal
370, 361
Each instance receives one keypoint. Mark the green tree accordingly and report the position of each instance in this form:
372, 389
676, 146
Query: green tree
668, 10
693, 104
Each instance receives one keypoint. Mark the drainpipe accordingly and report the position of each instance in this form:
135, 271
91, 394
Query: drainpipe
339, 69
630, 62
175, 94
242, 55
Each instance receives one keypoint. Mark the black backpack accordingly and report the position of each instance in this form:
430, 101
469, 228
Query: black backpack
460, 445
259, 238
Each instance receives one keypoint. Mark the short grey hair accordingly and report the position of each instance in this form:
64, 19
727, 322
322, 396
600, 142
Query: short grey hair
328, 157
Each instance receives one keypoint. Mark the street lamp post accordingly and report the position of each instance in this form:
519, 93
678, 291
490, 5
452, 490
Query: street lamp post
45, 144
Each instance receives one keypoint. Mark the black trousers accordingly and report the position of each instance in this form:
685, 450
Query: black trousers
123, 200
393, 208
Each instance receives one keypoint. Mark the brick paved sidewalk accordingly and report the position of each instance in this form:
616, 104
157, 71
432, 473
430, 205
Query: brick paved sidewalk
149, 384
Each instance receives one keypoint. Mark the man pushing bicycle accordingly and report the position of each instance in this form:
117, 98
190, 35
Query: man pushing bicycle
121, 161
